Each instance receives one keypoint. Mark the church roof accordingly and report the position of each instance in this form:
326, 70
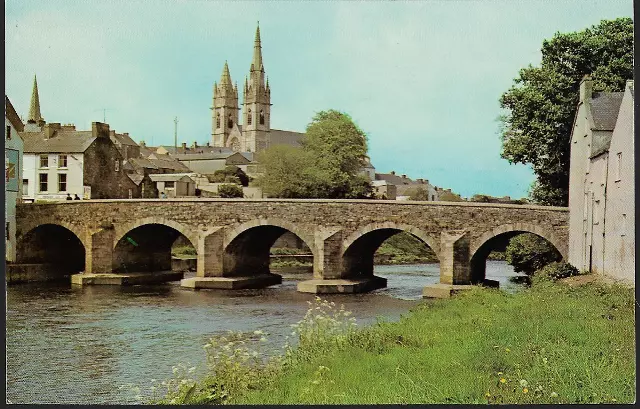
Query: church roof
281, 137
61, 142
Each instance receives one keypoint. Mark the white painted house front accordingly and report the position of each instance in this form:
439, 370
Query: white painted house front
51, 176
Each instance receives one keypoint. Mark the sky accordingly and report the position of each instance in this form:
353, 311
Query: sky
422, 78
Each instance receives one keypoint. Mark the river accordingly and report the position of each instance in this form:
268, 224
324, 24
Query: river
70, 344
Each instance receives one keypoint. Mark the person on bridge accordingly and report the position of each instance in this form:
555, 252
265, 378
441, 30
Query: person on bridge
69, 196
163, 196
75, 196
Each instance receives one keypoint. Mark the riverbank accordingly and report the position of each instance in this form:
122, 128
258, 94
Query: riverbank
551, 343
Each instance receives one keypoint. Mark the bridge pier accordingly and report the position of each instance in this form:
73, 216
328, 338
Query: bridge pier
332, 275
219, 270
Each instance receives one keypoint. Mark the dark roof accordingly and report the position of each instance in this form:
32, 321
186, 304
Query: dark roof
204, 156
604, 110
142, 163
136, 178
123, 139
281, 137
169, 164
193, 149
61, 142
11, 114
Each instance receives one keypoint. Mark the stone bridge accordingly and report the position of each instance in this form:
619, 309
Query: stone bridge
232, 237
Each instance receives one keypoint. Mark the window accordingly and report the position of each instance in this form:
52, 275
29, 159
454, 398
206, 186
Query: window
25, 187
44, 181
169, 185
44, 161
596, 212
62, 161
618, 166
249, 117
62, 182
623, 225
8, 134
7, 231
117, 165
230, 122
217, 120
433, 198
261, 117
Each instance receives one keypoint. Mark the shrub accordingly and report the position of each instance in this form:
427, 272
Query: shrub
556, 271
528, 253
230, 190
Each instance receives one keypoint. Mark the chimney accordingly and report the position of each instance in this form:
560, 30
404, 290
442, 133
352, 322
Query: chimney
112, 133
68, 127
208, 145
426, 181
184, 145
586, 88
404, 176
195, 144
143, 144
420, 180
393, 172
50, 130
126, 134
100, 130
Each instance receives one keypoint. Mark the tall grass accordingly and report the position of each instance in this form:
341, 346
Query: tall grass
548, 344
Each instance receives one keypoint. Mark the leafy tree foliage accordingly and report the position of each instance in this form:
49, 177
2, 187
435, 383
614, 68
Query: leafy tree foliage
528, 253
542, 102
326, 166
230, 190
418, 193
230, 174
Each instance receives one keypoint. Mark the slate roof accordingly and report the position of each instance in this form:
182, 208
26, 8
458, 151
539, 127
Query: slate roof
604, 110
61, 142
123, 139
12, 115
281, 137
605, 107
171, 177
208, 156
136, 178
169, 164
142, 163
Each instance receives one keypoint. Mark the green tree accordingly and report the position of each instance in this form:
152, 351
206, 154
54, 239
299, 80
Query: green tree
542, 102
326, 166
528, 253
230, 190
230, 174
286, 172
417, 193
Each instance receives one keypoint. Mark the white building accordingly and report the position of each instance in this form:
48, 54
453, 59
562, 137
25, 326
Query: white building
13, 152
601, 184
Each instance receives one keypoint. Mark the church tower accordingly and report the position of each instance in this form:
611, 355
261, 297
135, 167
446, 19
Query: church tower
35, 122
256, 103
225, 112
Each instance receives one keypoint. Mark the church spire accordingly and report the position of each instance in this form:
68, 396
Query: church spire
225, 78
256, 63
34, 111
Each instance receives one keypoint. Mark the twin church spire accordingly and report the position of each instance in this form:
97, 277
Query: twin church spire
253, 136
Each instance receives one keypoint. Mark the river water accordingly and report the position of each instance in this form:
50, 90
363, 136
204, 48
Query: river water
68, 344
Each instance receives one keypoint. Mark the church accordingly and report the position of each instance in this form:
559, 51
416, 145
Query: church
255, 133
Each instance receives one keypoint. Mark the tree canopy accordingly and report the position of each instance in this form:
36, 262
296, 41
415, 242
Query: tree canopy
542, 102
326, 166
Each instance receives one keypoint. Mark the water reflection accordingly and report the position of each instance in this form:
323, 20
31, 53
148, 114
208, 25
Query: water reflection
79, 344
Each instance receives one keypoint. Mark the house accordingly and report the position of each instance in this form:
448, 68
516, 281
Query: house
128, 147
405, 185
60, 161
174, 184
13, 153
601, 183
208, 163
384, 190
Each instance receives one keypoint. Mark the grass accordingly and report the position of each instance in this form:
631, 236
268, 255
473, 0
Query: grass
550, 343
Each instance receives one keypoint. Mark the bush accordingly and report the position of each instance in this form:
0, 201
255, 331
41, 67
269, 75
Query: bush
528, 253
556, 271
230, 190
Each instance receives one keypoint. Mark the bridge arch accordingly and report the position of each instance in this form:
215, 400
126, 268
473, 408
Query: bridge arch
483, 245
59, 244
145, 244
360, 246
247, 246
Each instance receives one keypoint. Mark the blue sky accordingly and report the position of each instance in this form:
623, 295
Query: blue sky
421, 78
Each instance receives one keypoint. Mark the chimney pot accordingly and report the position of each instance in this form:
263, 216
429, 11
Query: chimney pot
586, 88
184, 145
